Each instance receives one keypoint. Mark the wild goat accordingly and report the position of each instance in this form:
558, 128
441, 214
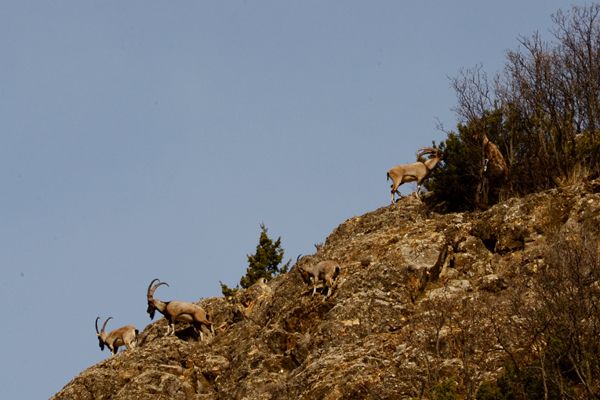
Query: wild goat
326, 271
417, 171
178, 311
123, 336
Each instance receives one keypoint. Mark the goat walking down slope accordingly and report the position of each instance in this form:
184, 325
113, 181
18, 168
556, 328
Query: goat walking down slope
178, 311
123, 336
325, 271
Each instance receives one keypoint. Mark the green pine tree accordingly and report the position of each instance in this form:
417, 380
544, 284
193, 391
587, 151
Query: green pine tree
264, 263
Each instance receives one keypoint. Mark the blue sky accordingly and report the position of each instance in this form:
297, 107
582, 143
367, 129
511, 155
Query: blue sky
143, 139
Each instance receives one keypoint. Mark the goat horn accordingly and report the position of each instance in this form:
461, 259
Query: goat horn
104, 324
152, 283
429, 150
97, 331
152, 289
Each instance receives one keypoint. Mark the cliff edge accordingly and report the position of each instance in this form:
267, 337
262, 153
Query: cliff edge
424, 303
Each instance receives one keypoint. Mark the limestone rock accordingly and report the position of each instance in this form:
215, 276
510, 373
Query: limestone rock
415, 286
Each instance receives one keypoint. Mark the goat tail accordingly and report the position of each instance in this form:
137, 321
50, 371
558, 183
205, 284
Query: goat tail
388, 176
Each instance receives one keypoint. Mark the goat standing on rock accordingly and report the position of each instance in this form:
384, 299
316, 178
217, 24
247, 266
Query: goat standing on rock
326, 271
123, 336
417, 171
178, 310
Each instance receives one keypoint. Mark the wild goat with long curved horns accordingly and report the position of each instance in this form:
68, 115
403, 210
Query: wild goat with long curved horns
417, 171
123, 336
178, 311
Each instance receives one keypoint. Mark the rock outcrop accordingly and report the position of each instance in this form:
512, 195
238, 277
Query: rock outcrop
422, 297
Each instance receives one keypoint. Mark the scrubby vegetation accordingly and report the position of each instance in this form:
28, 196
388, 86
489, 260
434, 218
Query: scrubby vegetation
558, 321
542, 111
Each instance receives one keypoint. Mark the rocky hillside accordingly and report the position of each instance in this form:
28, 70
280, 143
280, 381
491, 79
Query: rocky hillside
426, 305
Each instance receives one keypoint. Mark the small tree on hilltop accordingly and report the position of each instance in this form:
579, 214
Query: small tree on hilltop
264, 263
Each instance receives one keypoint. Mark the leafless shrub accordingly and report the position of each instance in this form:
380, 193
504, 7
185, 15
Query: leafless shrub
549, 327
454, 343
569, 295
